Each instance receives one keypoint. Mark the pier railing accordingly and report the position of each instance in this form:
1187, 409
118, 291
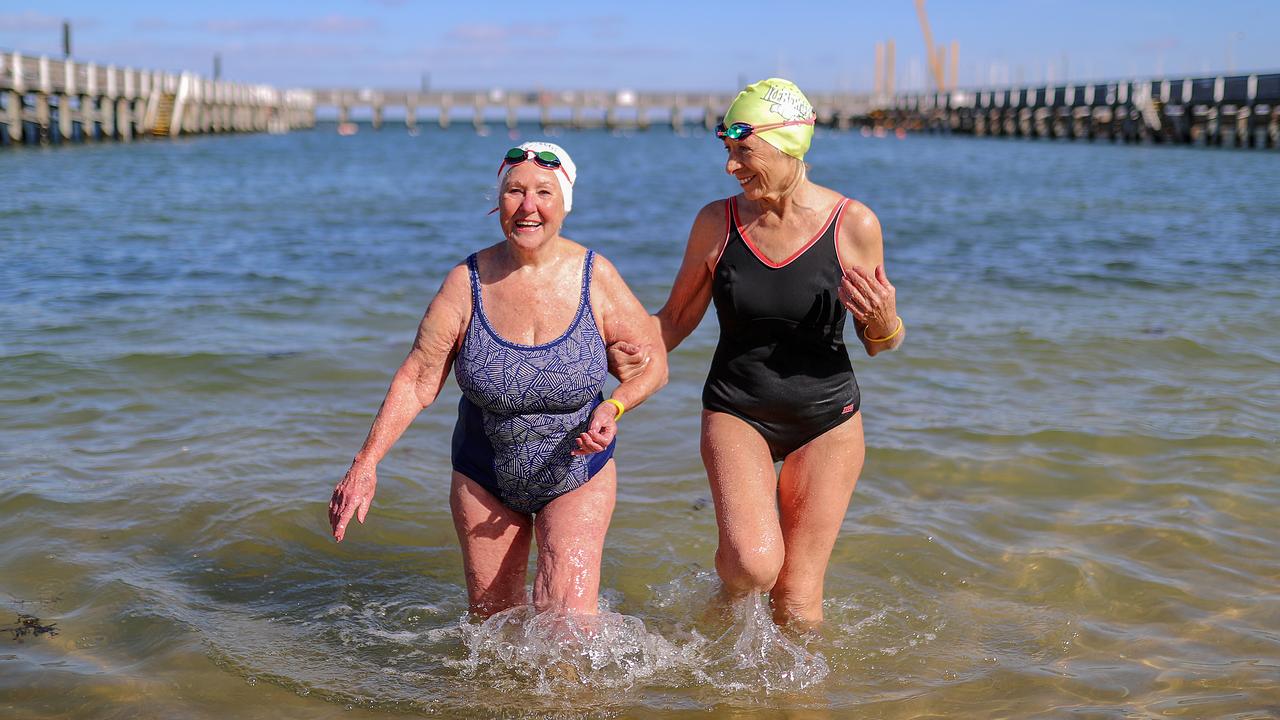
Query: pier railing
1239, 110
1234, 110
563, 108
46, 100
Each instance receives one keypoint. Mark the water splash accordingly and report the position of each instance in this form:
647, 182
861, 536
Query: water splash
738, 646
557, 653
754, 653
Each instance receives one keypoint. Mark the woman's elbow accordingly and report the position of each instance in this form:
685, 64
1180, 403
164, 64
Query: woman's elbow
659, 374
663, 376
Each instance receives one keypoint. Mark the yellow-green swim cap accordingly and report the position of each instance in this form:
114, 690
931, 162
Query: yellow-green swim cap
772, 102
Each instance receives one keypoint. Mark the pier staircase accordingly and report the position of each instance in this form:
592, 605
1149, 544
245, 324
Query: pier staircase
164, 114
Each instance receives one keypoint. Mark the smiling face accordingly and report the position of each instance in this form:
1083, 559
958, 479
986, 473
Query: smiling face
760, 168
531, 205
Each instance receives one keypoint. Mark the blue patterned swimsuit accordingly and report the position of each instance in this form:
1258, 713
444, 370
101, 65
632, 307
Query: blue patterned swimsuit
523, 406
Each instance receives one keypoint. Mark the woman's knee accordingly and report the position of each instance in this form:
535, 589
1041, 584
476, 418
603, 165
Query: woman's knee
749, 570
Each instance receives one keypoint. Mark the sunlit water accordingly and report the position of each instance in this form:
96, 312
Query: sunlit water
1069, 504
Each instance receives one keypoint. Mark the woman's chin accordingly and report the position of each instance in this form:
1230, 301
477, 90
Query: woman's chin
529, 239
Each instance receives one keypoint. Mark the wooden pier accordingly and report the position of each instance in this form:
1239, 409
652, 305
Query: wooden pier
43, 100
1223, 110
575, 109
1238, 110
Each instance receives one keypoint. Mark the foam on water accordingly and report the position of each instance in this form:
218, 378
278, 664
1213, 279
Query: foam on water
734, 650
741, 649
379, 653
561, 654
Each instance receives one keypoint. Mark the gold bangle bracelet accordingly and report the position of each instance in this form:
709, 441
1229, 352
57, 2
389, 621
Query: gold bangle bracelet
890, 336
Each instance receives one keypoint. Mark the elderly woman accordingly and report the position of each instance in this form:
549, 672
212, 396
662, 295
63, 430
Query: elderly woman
524, 324
783, 261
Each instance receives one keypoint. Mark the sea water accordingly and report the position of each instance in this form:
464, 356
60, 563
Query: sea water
1068, 505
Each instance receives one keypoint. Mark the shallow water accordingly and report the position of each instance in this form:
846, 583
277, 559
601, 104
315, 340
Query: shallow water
1068, 504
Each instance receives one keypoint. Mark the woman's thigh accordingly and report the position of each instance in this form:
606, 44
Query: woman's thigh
495, 546
814, 489
571, 531
744, 488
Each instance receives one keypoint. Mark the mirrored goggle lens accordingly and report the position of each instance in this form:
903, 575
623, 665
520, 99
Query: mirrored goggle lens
544, 158
547, 159
736, 131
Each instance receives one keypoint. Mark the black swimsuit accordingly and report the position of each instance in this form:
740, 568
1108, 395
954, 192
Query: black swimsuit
781, 363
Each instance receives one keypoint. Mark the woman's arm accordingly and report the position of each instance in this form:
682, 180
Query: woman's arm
865, 289
621, 319
691, 290
689, 298
415, 386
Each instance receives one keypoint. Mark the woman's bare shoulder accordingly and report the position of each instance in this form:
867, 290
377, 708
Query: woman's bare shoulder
456, 285
605, 275
860, 237
709, 227
859, 223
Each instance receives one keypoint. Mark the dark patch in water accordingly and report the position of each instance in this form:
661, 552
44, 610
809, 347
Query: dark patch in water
29, 625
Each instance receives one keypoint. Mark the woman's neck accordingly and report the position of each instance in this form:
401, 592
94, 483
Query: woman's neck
781, 204
535, 258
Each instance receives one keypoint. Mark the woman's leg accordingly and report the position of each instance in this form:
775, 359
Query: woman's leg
571, 532
813, 496
495, 547
745, 490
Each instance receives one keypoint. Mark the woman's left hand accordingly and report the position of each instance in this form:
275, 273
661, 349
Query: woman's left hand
871, 299
627, 360
601, 429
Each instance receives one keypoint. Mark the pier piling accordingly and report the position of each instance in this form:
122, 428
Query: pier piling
49, 101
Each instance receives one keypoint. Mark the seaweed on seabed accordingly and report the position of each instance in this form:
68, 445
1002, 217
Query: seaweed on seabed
29, 625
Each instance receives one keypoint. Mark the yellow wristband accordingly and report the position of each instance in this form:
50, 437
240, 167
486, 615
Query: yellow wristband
618, 404
888, 337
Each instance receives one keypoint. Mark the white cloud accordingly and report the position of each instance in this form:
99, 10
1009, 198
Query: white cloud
28, 22
500, 34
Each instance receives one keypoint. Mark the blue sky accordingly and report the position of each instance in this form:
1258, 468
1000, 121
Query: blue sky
654, 45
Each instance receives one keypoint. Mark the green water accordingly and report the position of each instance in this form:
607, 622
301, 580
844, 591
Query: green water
1068, 507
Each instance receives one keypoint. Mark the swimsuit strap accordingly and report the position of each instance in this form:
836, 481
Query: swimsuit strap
473, 269
585, 300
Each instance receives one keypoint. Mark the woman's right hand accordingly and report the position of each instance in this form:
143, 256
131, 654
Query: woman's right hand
627, 360
352, 496
602, 427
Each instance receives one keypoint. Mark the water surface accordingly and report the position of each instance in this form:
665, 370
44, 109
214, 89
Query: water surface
1068, 505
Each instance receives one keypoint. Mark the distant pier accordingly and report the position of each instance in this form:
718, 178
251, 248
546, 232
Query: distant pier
43, 100
574, 109
1223, 110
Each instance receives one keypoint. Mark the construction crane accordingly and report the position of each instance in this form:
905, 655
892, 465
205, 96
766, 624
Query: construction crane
936, 58
936, 55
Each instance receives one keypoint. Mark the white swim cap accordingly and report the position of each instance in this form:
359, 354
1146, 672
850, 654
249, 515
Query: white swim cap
566, 174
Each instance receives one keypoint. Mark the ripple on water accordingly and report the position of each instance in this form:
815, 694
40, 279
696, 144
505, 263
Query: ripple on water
425, 655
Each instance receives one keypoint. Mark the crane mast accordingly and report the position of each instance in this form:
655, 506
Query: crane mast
934, 55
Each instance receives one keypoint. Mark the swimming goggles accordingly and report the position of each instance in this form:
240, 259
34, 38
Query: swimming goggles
741, 130
542, 158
